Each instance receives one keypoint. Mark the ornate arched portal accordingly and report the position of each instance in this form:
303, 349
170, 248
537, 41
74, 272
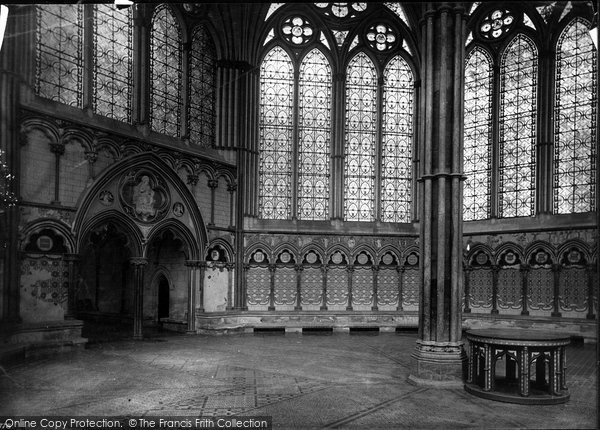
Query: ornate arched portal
139, 209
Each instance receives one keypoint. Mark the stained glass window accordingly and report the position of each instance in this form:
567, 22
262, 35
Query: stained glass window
112, 62
276, 135
396, 149
361, 120
59, 55
477, 135
202, 89
518, 116
575, 120
165, 73
314, 124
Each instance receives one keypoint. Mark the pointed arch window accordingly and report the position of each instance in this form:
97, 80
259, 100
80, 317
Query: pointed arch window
59, 53
276, 135
518, 122
202, 89
314, 125
360, 139
575, 137
113, 62
165, 73
478, 135
396, 147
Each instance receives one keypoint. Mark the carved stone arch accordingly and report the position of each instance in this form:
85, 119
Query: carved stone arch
279, 249
46, 127
127, 226
181, 232
105, 142
224, 245
363, 249
130, 148
476, 249
538, 245
506, 248
388, 249
229, 177
317, 249
411, 249
58, 227
337, 248
263, 248
106, 195
206, 168
158, 272
83, 137
570, 245
169, 158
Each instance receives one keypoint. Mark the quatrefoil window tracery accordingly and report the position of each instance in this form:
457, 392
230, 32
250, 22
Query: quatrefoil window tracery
342, 10
381, 37
297, 30
496, 24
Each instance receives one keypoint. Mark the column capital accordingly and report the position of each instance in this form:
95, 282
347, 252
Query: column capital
57, 148
213, 183
138, 261
91, 156
298, 267
192, 179
231, 187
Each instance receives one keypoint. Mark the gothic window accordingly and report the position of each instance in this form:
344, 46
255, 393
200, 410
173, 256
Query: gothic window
202, 89
361, 121
518, 122
165, 73
314, 123
276, 134
477, 135
112, 62
59, 56
575, 120
396, 148
299, 115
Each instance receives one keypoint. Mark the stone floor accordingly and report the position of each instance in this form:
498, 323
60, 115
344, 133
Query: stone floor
302, 381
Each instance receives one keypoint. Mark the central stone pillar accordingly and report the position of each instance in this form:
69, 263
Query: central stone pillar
138, 264
439, 356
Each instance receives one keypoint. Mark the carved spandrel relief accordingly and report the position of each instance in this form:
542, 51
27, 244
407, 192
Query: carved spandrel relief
144, 196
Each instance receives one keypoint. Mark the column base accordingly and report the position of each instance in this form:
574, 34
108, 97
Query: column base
439, 365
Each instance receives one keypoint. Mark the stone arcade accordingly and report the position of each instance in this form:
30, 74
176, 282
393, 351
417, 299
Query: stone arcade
228, 168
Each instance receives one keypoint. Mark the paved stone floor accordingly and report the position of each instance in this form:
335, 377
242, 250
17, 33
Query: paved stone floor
302, 381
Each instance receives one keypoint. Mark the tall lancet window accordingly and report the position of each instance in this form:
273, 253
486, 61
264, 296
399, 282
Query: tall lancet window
165, 73
396, 147
477, 135
575, 120
113, 62
361, 134
314, 124
202, 89
59, 53
518, 122
276, 135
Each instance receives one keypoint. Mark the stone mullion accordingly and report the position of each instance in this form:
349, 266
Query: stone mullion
193, 281
230, 271
58, 149
295, 145
545, 141
241, 299
400, 270
524, 288
272, 268
375, 306
231, 188
299, 268
495, 276
467, 278
212, 184
138, 264
140, 103
590, 293
350, 270
88, 57
556, 288
324, 269
337, 150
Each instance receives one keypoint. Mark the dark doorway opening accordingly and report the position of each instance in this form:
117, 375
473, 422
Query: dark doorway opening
163, 297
